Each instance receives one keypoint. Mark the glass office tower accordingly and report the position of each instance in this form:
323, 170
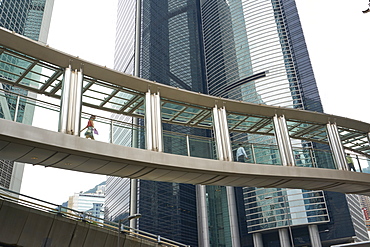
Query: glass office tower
245, 50
30, 18
255, 52
170, 52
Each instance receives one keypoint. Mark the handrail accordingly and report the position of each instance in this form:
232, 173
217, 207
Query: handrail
72, 214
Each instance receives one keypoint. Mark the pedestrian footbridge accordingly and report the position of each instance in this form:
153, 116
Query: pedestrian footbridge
156, 132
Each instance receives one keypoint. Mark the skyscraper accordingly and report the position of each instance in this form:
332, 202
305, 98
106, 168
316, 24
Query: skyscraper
168, 50
256, 52
30, 18
245, 50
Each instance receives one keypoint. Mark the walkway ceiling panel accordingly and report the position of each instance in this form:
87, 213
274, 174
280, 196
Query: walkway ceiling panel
70, 162
143, 172
91, 165
110, 168
36, 155
57, 157
156, 174
187, 178
172, 176
14, 151
3, 144
128, 170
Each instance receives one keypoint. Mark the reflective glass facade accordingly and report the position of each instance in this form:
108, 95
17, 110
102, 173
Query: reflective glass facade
255, 51
244, 50
30, 18
171, 52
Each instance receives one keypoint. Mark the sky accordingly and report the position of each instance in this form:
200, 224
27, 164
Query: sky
337, 36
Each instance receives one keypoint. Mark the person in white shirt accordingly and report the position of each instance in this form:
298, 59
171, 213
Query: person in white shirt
241, 155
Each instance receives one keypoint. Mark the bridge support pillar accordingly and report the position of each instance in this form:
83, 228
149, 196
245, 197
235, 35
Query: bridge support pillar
336, 146
203, 230
224, 152
314, 235
153, 122
257, 240
71, 103
283, 141
284, 237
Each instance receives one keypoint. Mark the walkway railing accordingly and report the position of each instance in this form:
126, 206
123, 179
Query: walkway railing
143, 114
54, 209
119, 129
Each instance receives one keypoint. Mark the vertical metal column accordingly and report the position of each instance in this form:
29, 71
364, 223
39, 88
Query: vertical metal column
70, 109
202, 216
148, 121
228, 154
224, 152
218, 135
284, 237
76, 123
314, 235
336, 146
64, 100
153, 122
283, 141
133, 191
257, 240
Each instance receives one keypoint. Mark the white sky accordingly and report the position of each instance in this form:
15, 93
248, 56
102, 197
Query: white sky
337, 36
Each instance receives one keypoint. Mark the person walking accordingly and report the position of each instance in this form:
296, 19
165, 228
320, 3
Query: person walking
90, 128
241, 155
350, 163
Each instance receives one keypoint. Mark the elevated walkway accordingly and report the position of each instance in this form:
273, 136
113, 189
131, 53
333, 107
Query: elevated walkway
33, 145
162, 133
27, 223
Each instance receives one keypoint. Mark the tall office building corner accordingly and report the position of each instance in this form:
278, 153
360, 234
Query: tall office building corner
30, 18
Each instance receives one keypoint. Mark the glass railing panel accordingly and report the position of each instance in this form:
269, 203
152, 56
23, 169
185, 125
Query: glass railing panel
323, 159
257, 153
175, 143
196, 144
202, 147
303, 157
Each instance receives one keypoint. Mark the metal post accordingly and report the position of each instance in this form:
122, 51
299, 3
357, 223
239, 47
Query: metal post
224, 153
336, 147
188, 144
313, 161
16, 109
216, 127
233, 217
64, 100
148, 121
283, 140
257, 240
119, 231
202, 215
288, 219
314, 235
133, 188
358, 162
253, 154
77, 105
133, 201
225, 134
111, 131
